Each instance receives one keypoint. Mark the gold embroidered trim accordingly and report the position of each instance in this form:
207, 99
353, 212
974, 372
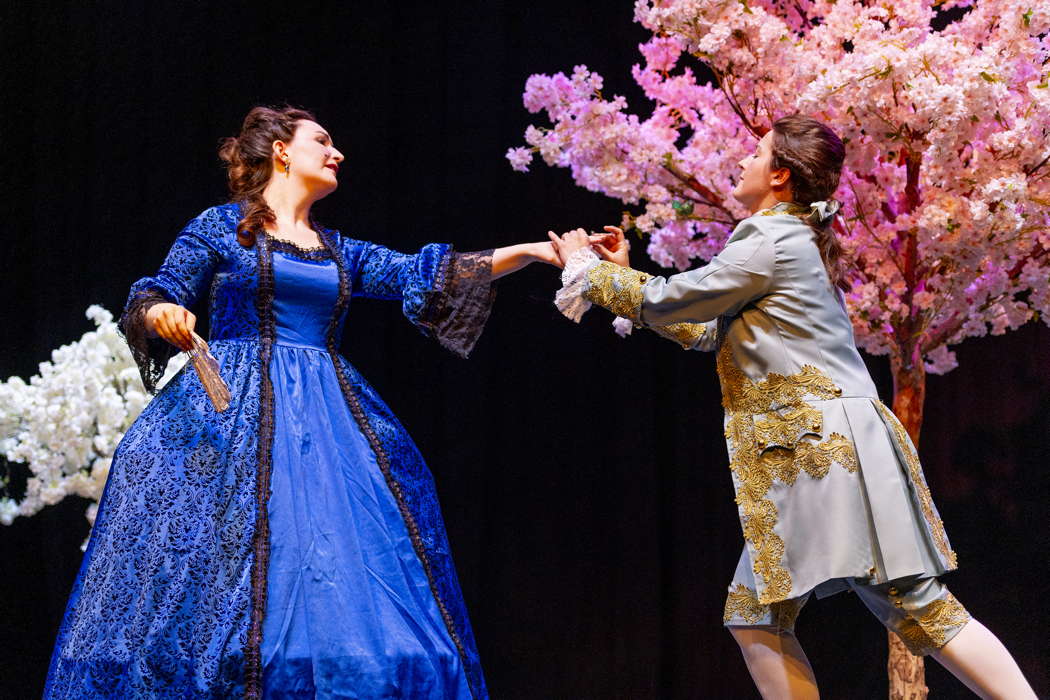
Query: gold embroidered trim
931, 631
685, 334
776, 391
617, 288
785, 428
791, 208
922, 491
813, 458
765, 424
743, 602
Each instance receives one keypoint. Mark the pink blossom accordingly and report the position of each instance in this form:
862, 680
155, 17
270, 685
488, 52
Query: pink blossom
519, 158
661, 52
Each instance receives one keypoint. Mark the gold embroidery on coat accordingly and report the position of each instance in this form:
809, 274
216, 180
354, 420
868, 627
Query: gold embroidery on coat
783, 429
685, 334
765, 424
813, 458
617, 288
922, 491
743, 602
930, 631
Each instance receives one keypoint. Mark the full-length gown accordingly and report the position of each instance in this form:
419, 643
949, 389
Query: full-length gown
291, 546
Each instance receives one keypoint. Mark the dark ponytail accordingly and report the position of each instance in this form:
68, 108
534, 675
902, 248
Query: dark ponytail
249, 163
813, 153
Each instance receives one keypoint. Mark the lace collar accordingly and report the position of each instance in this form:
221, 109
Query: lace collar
313, 253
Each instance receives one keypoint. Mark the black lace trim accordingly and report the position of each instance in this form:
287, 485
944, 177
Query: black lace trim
151, 354
382, 459
253, 672
316, 254
456, 312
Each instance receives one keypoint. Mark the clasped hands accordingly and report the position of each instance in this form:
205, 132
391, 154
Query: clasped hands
611, 245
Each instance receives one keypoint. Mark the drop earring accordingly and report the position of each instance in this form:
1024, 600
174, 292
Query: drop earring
287, 165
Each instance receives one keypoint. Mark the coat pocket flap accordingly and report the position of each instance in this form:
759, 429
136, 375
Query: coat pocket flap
786, 426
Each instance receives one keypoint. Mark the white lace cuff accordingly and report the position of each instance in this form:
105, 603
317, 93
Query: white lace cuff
569, 298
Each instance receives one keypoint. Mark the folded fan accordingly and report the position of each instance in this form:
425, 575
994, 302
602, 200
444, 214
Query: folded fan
208, 370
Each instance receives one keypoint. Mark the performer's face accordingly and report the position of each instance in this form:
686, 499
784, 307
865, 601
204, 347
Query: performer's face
758, 183
312, 158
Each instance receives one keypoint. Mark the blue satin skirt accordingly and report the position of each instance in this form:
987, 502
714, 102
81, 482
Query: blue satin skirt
349, 611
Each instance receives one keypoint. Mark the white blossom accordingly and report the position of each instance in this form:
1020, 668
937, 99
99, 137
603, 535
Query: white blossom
64, 424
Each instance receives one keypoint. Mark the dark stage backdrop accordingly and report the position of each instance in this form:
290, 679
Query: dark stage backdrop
583, 477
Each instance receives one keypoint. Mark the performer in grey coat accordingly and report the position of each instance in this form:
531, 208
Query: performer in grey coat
830, 491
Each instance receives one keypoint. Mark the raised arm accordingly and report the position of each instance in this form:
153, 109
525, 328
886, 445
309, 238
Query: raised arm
156, 320
739, 274
446, 294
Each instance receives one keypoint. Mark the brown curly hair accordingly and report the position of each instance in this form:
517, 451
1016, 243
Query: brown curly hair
249, 163
813, 153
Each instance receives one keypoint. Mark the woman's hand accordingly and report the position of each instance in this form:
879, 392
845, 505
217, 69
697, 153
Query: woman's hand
613, 247
173, 323
569, 243
544, 252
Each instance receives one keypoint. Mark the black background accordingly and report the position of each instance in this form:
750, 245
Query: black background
583, 477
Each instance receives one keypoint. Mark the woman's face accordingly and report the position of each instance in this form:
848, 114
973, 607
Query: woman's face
311, 156
757, 181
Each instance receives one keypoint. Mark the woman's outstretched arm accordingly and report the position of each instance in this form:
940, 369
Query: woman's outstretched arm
514, 257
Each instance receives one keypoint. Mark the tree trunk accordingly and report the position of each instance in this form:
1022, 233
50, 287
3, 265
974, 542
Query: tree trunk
907, 677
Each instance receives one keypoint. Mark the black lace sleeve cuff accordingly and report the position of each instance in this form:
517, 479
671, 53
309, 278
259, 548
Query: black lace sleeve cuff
151, 354
457, 310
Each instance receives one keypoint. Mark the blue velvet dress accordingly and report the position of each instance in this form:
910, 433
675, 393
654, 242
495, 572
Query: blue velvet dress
291, 546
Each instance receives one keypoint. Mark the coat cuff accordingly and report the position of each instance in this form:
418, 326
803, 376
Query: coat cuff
617, 288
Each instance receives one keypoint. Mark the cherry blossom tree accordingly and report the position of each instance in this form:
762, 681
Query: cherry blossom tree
945, 112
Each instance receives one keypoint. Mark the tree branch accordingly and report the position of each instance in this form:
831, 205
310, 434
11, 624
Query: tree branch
1031, 169
692, 183
862, 217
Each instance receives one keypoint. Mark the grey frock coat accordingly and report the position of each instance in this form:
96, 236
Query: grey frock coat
828, 484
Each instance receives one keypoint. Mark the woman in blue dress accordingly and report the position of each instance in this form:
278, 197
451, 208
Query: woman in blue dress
290, 546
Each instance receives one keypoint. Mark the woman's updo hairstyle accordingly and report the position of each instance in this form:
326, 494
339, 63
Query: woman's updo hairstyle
813, 153
249, 163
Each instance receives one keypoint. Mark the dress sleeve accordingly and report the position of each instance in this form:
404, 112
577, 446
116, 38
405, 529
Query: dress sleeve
739, 274
182, 279
447, 295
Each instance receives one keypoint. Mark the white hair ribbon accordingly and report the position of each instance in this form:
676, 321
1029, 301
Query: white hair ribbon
826, 210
